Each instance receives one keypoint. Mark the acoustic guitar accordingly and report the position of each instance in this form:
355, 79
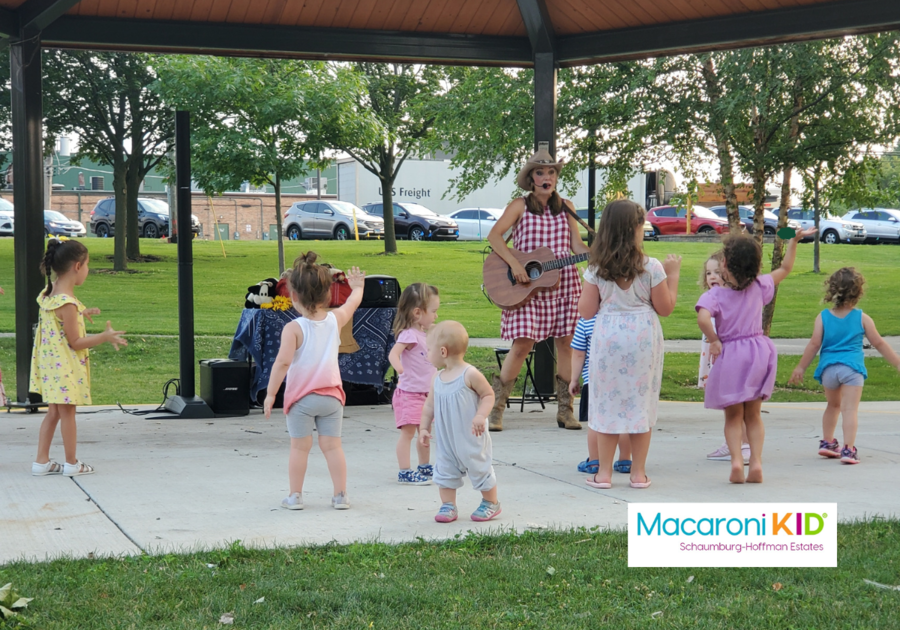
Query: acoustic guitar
542, 266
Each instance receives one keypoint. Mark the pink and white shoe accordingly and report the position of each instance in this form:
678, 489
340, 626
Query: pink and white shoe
830, 449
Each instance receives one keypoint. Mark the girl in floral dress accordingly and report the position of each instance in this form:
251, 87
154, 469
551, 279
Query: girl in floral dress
539, 219
60, 369
627, 291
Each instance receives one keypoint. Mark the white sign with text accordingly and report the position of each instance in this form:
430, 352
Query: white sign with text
732, 534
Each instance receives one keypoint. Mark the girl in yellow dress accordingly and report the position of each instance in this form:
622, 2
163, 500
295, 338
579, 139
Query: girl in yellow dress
60, 369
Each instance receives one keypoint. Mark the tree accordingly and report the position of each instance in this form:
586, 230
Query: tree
106, 100
251, 119
386, 117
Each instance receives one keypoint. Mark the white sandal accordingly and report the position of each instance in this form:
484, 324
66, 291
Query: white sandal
78, 468
50, 468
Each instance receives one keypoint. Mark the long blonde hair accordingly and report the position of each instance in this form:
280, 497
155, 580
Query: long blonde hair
414, 296
614, 254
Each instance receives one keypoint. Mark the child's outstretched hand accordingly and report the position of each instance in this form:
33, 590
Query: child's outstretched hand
1, 290
88, 312
796, 376
356, 278
114, 337
479, 425
424, 437
802, 234
672, 264
715, 349
574, 387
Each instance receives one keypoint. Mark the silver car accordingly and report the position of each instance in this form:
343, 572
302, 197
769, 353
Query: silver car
882, 225
7, 218
329, 219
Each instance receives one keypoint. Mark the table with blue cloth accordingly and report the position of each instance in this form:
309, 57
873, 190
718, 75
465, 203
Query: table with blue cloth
258, 336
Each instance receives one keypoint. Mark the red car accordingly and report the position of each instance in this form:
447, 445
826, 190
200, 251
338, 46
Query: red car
673, 220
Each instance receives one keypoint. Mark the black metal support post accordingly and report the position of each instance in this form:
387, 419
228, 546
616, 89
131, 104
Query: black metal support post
592, 194
545, 131
187, 404
28, 198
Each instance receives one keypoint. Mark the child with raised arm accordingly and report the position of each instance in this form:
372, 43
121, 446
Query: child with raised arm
458, 406
839, 333
712, 277
60, 363
628, 292
744, 359
308, 356
416, 312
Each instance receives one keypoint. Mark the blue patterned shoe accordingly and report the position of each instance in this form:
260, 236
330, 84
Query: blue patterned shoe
486, 511
589, 466
426, 470
447, 514
411, 477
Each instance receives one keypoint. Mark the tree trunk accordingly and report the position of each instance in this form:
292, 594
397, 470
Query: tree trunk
278, 223
759, 205
387, 200
132, 188
816, 214
778, 251
723, 149
120, 262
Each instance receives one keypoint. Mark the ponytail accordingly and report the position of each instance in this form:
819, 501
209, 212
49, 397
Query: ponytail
59, 257
310, 281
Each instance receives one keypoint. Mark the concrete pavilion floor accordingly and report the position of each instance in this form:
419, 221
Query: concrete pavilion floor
173, 485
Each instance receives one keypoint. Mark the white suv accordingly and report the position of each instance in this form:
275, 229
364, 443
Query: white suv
831, 230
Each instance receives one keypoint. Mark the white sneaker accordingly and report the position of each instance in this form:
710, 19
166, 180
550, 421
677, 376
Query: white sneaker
721, 454
745, 451
293, 502
340, 501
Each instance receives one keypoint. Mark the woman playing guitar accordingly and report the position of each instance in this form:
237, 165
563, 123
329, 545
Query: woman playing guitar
539, 219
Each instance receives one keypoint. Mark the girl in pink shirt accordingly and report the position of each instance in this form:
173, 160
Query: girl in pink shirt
313, 395
416, 312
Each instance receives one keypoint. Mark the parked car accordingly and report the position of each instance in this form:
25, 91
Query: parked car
770, 219
475, 223
329, 219
831, 230
882, 224
57, 224
417, 222
7, 218
649, 234
153, 218
673, 220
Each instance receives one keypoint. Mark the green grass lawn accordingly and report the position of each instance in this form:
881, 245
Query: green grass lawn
571, 579
136, 374
145, 301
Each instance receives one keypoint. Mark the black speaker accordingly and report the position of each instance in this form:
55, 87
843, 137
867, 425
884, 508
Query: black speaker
225, 386
380, 291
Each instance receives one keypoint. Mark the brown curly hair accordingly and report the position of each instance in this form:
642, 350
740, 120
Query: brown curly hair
614, 253
311, 282
845, 287
743, 259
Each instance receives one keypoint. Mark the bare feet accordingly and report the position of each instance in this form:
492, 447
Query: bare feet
755, 474
737, 473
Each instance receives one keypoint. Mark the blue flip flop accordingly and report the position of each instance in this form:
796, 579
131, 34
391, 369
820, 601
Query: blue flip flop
622, 466
589, 466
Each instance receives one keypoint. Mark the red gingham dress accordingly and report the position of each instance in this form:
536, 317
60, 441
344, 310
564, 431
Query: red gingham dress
551, 313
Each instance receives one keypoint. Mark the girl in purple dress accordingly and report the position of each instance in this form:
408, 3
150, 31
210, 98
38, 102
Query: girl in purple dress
744, 359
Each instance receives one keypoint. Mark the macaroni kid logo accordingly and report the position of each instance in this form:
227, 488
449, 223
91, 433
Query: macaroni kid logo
732, 535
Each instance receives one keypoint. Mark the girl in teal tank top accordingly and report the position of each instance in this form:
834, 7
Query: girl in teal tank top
839, 333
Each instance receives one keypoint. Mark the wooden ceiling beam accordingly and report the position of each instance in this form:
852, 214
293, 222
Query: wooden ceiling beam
273, 41
816, 21
38, 14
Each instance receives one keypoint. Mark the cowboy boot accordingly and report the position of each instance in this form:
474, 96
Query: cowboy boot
565, 418
501, 395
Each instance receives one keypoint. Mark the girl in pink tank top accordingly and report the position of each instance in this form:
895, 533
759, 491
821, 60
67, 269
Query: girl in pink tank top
308, 357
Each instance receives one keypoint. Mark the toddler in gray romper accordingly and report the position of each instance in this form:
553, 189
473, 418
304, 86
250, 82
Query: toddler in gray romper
459, 408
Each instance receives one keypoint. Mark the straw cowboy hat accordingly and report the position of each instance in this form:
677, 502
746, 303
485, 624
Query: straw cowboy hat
540, 159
